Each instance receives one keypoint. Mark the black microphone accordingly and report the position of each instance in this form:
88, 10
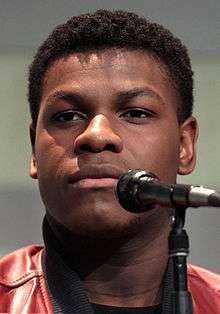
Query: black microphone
139, 191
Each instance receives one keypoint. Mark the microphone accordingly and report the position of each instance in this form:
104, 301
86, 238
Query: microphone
139, 191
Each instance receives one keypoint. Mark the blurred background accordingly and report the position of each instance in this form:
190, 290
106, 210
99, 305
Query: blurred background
23, 26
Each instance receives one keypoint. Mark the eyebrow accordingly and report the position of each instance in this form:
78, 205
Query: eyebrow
71, 97
122, 97
126, 96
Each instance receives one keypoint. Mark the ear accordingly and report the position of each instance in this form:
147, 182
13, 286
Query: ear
188, 138
33, 164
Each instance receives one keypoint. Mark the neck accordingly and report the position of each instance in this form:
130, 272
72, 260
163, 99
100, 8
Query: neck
126, 271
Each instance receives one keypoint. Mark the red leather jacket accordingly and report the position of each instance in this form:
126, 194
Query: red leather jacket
23, 288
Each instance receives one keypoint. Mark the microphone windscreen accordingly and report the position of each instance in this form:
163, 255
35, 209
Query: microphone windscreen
127, 187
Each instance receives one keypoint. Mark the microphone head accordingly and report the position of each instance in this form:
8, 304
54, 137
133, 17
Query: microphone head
127, 187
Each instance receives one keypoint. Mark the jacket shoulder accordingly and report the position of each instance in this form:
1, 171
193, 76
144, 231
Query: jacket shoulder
205, 289
21, 265
204, 277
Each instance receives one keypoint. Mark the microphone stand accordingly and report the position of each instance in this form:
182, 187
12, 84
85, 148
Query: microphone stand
178, 252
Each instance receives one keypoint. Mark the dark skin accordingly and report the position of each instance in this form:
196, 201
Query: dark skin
101, 114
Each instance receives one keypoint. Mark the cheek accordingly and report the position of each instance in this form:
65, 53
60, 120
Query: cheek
52, 164
49, 156
157, 154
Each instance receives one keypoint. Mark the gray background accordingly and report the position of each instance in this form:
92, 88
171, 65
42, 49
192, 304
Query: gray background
23, 25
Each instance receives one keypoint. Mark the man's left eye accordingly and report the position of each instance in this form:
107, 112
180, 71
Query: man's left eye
136, 114
68, 116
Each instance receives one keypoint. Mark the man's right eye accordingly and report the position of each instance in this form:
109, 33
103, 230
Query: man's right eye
68, 116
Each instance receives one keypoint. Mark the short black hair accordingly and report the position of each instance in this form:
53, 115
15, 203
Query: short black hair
108, 29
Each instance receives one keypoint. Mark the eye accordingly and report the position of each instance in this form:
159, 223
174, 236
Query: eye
68, 116
137, 115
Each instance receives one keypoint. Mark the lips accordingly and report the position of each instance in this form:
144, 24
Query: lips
95, 174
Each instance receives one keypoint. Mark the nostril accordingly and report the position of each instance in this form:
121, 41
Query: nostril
85, 148
110, 147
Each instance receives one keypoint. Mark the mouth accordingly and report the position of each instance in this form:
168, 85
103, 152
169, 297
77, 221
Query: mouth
95, 176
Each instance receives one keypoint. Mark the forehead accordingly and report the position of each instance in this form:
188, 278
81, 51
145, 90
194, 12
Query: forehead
110, 69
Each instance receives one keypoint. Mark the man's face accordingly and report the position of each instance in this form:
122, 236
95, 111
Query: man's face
102, 114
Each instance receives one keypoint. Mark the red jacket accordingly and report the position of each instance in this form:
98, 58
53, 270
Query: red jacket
23, 289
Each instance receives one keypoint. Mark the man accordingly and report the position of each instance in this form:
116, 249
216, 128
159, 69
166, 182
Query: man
108, 92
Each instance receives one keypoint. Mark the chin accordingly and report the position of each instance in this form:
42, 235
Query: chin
99, 222
102, 223
99, 215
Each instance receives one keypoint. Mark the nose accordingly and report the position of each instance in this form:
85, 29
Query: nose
97, 137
